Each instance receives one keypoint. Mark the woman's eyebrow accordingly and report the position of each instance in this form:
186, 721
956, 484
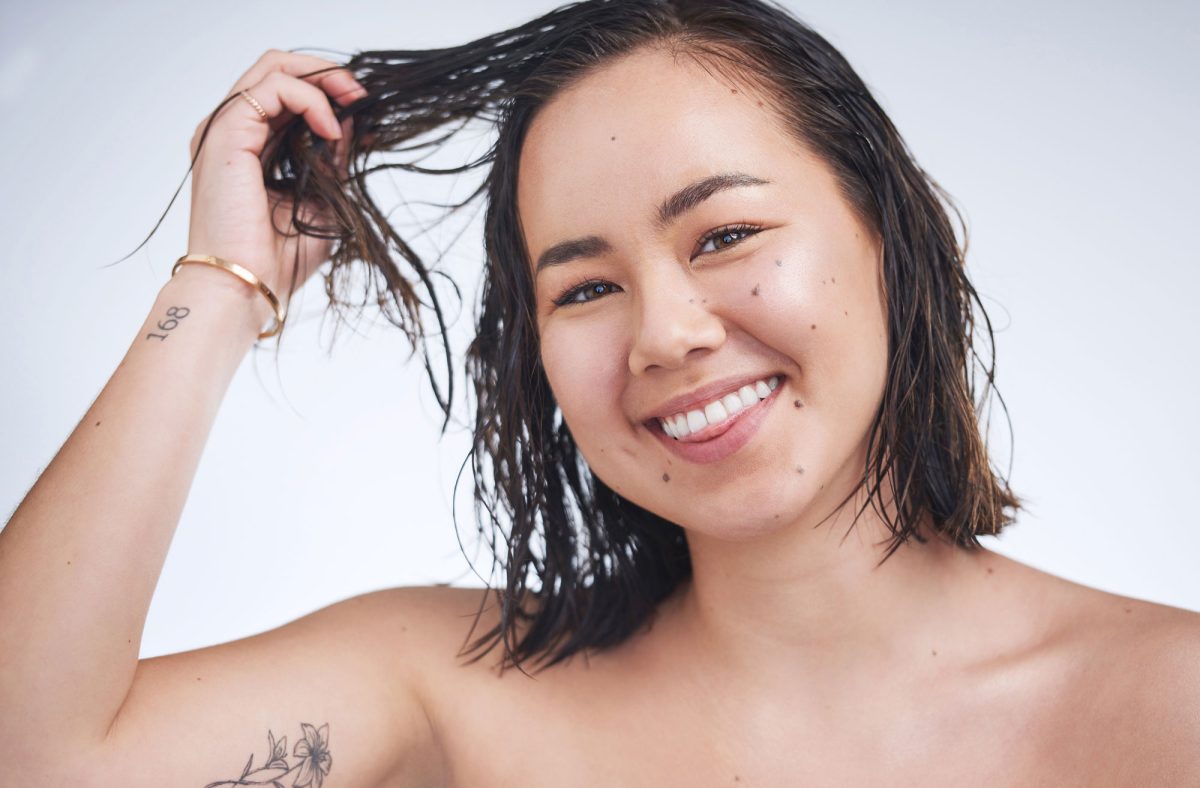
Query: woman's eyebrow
671, 209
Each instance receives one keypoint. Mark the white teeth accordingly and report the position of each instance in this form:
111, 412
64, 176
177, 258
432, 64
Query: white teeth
714, 412
683, 424
732, 403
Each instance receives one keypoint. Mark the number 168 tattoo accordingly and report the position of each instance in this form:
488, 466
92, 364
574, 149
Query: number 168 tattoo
174, 315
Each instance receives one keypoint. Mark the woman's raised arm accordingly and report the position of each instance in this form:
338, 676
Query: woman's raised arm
81, 555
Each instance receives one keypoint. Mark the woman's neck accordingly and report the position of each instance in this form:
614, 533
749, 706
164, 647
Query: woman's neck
818, 599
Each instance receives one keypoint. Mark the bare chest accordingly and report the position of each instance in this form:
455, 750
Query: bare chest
607, 727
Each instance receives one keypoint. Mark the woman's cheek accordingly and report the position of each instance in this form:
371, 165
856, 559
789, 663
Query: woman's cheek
585, 368
777, 296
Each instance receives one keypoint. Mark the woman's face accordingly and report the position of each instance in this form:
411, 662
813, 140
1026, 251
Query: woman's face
681, 310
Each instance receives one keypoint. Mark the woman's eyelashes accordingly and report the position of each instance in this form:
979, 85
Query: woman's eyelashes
723, 233
592, 289
574, 295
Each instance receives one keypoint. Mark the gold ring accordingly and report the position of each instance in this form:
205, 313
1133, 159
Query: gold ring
258, 107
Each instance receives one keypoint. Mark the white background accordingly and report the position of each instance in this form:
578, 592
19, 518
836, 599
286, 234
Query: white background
1066, 130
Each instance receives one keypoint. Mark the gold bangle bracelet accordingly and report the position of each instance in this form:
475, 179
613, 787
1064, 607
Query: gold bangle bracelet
246, 276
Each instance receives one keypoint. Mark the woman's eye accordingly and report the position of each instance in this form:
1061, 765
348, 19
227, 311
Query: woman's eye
587, 291
730, 236
593, 289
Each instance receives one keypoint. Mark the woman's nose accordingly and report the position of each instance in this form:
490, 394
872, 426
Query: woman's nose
672, 321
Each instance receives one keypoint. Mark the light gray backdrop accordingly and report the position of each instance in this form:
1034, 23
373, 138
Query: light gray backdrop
1066, 130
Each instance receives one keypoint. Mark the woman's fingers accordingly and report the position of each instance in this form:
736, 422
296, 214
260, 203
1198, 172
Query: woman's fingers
281, 98
285, 71
278, 92
339, 83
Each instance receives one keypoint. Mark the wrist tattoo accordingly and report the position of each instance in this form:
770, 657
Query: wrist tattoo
174, 315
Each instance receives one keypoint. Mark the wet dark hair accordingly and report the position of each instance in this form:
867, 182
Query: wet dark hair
585, 567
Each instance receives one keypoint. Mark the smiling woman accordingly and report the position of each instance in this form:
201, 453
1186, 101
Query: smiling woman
725, 380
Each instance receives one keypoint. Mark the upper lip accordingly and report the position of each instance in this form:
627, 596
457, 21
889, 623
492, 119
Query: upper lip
698, 397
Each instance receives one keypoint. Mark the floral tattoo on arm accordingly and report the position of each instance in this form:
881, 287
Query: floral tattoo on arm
311, 769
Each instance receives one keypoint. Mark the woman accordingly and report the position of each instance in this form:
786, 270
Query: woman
725, 428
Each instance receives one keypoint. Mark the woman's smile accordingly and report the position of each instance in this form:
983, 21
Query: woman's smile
723, 426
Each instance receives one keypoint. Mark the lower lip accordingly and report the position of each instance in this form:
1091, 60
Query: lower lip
740, 428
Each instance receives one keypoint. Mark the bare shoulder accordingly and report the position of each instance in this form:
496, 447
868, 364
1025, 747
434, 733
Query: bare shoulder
432, 620
1149, 654
1130, 677
1156, 646
1153, 651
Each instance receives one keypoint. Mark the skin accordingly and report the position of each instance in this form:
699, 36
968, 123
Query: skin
790, 628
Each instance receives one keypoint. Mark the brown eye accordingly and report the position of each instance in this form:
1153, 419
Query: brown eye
729, 235
587, 291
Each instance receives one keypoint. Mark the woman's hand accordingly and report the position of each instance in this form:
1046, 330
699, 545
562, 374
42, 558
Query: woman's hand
232, 215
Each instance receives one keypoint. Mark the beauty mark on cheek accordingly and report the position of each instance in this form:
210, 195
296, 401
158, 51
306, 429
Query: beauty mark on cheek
666, 477
755, 290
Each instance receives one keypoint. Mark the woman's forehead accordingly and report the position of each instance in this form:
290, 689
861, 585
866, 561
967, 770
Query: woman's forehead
614, 142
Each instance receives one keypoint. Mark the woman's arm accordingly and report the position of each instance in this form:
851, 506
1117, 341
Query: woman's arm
338, 689
81, 555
